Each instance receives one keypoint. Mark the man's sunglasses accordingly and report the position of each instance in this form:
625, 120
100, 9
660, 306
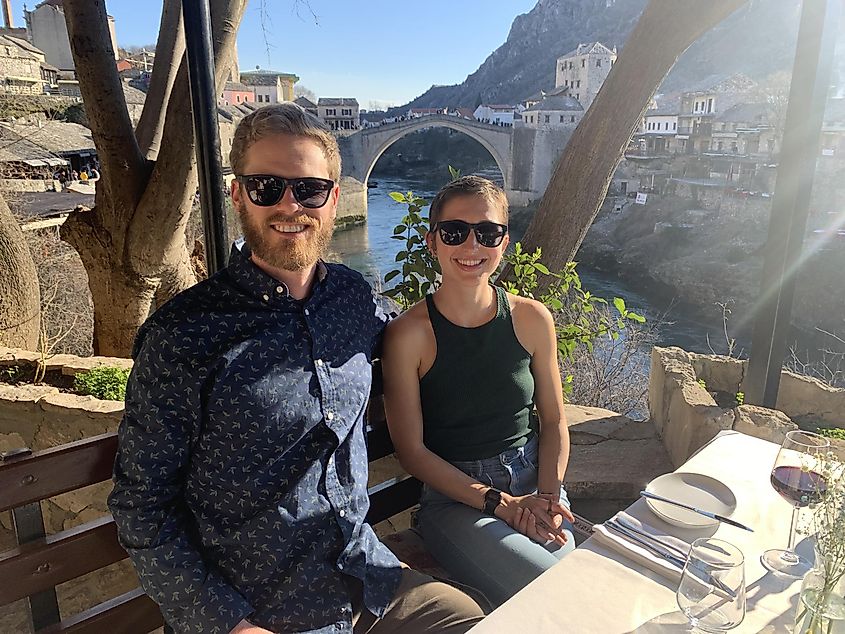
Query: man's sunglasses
266, 190
455, 232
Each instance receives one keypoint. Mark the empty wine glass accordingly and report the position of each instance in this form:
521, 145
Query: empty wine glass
795, 476
712, 590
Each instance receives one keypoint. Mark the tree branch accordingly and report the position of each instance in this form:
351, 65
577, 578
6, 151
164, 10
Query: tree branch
170, 49
166, 200
102, 92
583, 173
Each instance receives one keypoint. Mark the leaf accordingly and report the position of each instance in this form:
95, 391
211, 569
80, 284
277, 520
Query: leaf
636, 317
399, 229
401, 256
399, 198
392, 274
542, 268
620, 304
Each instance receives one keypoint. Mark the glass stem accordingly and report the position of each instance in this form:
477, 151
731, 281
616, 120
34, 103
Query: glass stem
789, 554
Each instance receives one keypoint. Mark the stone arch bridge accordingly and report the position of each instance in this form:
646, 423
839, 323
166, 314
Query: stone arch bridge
525, 155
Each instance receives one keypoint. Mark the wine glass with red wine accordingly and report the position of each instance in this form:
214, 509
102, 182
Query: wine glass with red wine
796, 477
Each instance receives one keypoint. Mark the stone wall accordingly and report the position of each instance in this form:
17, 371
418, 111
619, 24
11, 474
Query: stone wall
687, 416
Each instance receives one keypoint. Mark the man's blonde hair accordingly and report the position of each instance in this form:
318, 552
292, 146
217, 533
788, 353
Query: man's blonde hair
283, 118
469, 186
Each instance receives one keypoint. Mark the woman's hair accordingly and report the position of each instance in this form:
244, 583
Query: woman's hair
283, 118
469, 186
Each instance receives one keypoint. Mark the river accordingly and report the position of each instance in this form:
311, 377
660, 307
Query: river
370, 250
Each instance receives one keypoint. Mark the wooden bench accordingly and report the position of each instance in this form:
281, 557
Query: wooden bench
40, 562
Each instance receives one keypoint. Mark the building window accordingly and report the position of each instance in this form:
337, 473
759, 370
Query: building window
532, 118
346, 112
566, 83
598, 63
563, 66
572, 119
561, 118
330, 112
238, 97
710, 105
579, 84
547, 118
583, 63
578, 96
674, 125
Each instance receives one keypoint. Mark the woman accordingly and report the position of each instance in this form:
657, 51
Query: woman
463, 372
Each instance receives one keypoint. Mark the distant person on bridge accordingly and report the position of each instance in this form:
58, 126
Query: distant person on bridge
463, 372
241, 474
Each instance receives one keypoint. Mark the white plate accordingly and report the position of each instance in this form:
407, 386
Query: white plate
695, 489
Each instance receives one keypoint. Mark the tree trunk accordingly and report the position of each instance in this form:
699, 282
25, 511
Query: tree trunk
132, 243
20, 298
579, 184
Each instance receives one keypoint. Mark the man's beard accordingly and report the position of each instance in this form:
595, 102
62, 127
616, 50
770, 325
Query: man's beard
294, 255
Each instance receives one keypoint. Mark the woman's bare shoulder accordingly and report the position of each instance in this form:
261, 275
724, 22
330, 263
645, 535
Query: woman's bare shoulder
530, 310
412, 326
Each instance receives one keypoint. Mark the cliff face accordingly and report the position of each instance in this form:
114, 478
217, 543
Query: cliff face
757, 40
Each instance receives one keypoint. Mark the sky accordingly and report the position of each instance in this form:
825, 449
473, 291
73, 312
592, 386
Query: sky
376, 51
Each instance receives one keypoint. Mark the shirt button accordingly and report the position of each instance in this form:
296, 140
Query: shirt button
265, 297
319, 363
280, 289
342, 513
306, 312
329, 415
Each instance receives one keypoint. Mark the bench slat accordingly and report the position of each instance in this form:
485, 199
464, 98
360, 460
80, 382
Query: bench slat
392, 496
47, 562
58, 470
133, 611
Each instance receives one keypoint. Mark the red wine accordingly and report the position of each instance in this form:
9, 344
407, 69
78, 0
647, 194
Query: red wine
797, 486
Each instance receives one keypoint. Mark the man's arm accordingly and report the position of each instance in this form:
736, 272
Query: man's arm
163, 407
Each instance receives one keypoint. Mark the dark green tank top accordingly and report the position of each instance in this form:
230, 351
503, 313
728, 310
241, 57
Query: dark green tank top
478, 397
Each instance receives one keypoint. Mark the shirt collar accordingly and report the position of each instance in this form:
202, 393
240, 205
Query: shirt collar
255, 281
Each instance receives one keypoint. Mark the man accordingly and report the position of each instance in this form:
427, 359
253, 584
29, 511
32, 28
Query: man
240, 481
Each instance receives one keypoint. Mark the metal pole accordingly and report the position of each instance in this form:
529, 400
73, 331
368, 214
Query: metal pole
199, 50
791, 203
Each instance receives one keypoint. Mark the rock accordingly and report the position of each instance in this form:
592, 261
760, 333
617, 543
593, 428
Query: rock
14, 356
612, 457
761, 422
20, 411
84, 364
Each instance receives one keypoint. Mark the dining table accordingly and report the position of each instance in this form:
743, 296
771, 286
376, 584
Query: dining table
597, 588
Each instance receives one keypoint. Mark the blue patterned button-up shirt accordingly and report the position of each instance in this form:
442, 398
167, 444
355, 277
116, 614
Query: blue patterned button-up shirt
241, 475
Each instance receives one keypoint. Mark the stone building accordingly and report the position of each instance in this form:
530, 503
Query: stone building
48, 31
339, 113
583, 71
557, 111
235, 93
501, 114
306, 104
702, 102
660, 127
23, 69
270, 86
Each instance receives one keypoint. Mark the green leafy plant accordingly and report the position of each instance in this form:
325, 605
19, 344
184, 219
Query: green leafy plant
564, 291
12, 375
702, 383
740, 398
107, 383
419, 269
832, 432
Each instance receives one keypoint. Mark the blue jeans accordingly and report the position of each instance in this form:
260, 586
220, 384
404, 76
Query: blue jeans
484, 551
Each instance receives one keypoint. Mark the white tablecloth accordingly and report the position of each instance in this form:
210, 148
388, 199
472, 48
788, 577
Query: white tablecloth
595, 589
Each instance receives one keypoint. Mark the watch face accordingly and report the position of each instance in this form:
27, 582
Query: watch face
491, 500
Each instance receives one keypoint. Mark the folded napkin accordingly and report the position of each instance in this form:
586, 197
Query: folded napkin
650, 556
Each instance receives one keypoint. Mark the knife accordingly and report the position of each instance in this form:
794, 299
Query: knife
626, 523
676, 562
714, 516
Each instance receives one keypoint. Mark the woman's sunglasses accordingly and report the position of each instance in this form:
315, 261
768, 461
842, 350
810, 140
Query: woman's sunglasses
266, 190
455, 232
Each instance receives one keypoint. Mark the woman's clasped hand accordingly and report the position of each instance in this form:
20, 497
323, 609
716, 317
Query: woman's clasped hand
539, 516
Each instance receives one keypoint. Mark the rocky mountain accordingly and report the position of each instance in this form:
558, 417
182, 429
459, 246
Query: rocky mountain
757, 40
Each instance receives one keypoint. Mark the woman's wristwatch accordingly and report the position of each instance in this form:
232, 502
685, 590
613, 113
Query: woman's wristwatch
492, 499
